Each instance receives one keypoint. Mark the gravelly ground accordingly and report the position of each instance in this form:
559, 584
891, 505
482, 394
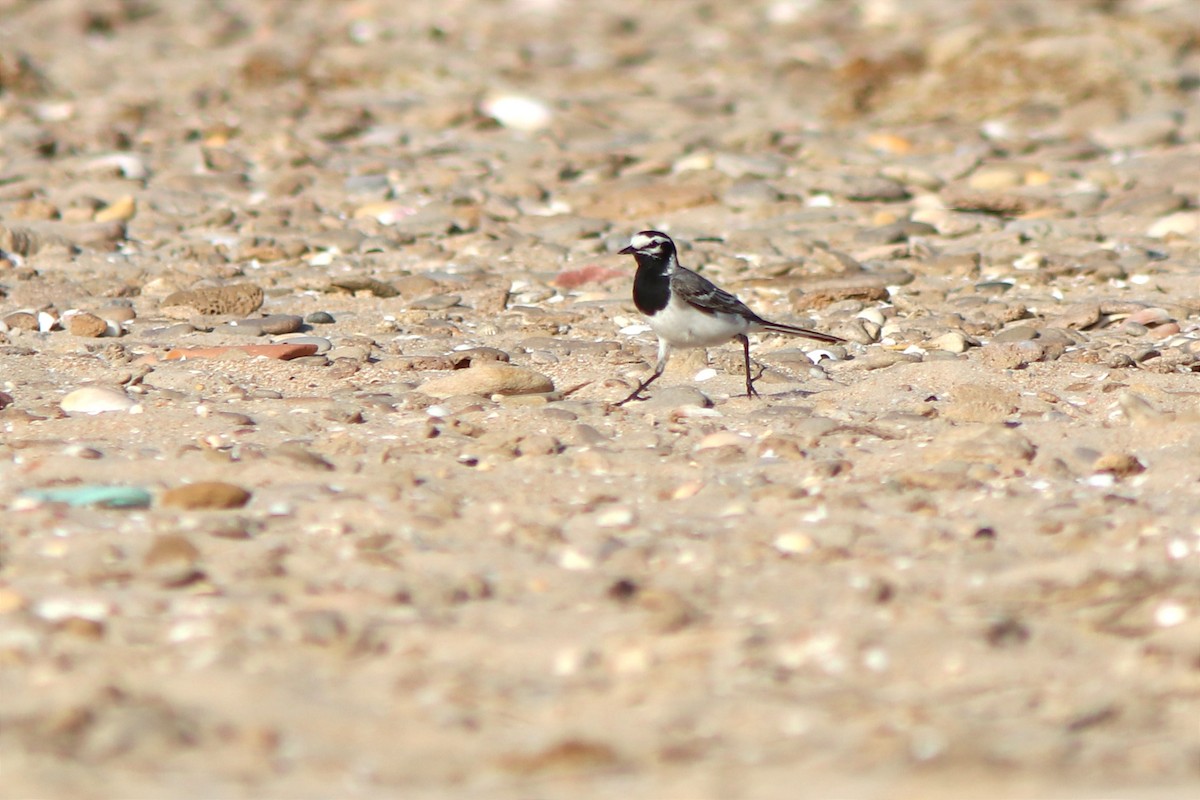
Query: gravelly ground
958, 556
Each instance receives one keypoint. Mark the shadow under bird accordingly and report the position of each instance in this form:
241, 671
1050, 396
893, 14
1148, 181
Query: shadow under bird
686, 309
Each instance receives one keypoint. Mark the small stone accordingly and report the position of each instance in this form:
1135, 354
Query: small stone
489, 379
1012, 355
273, 324
206, 495
518, 112
672, 397
794, 544
86, 324
987, 179
96, 400
721, 439
238, 299
362, 283
895, 232
863, 188
323, 345
436, 302
118, 210
1120, 465
22, 320
1144, 130
539, 444
748, 193
592, 273
282, 352
952, 342
98, 496
320, 318
117, 313
1181, 223
1018, 333
172, 560
737, 165
1165, 331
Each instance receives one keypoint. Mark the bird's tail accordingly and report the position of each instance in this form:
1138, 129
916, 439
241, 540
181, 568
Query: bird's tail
791, 330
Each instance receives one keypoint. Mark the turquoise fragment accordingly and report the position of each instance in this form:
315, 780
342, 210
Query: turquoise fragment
102, 496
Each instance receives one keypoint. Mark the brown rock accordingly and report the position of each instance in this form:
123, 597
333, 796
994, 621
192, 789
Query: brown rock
86, 324
1120, 465
239, 298
283, 352
206, 494
489, 379
172, 560
22, 320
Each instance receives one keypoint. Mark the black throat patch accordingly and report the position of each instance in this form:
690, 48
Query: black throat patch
651, 285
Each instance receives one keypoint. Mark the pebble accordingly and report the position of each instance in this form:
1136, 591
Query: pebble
864, 188
1143, 130
121, 209
127, 165
673, 397
793, 544
1120, 465
1181, 223
272, 324
172, 560
117, 313
895, 232
83, 323
323, 345
21, 321
737, 165
100, 496
283, 352
488, 379
320, 318
517, 112
1019, 333
435, 302
96, 400
750, 194
206, 495
238, 299
996, 178
1012, 355
952, 342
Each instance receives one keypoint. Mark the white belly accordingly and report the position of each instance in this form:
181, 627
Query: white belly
681, 325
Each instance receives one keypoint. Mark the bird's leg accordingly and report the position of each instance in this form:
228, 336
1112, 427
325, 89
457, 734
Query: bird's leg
750, 390
664, 352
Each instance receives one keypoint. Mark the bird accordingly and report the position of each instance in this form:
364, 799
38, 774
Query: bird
685, 309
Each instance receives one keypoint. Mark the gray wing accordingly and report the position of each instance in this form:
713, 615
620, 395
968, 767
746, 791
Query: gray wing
701, 293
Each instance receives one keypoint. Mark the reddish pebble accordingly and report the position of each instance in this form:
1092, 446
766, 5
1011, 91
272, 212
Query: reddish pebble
1164, 331
282, 352
592, 273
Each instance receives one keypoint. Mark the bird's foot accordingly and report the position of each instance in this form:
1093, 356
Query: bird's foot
636, 395
750, 390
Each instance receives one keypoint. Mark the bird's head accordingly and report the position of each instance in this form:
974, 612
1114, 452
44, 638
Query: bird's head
651, 245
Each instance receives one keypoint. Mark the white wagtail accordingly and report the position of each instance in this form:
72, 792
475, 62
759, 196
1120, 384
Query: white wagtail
687, 310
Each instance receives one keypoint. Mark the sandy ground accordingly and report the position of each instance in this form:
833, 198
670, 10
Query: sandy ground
956, 557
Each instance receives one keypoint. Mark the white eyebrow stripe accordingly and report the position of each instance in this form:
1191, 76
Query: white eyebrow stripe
640, 242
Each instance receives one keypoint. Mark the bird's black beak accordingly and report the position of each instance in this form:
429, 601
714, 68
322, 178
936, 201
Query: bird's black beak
628, 251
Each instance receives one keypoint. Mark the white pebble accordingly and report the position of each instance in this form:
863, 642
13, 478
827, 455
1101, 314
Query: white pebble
96, 400
793, 544
817, 356
1169, 614
518, 112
